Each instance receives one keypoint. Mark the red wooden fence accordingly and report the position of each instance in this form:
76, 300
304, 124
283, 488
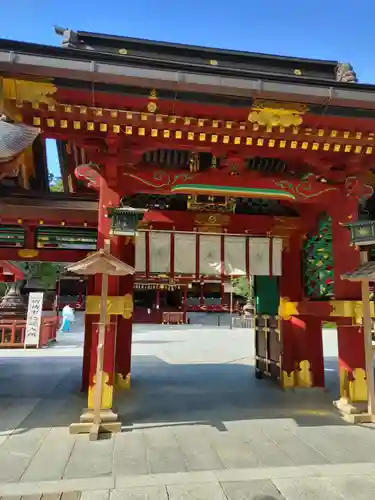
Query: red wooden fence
12, 332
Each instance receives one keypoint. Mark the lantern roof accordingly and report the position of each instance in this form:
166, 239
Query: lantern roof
100, 262
15, 138
365, 272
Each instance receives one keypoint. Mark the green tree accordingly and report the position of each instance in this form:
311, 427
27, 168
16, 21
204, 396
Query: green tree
55, 183
57, 187
46, 272
242, 287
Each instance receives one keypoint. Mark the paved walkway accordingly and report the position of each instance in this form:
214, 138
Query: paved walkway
196, 425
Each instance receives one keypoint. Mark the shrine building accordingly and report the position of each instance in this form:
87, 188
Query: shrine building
199, 165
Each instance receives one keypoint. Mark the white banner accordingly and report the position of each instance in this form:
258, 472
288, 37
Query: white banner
160, 252
185, 255
277, 249
34, 318
235, 255
209, 254
259, 256
140, 252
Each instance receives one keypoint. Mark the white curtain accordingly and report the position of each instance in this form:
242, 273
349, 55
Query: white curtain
209, 254
140, 252
277, 248
185, 253
160, 252
259, 256
235, 255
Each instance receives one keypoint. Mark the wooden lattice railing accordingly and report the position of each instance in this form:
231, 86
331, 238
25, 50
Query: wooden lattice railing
12, 332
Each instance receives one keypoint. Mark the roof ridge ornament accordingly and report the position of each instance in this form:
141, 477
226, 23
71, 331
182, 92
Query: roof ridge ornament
345, 73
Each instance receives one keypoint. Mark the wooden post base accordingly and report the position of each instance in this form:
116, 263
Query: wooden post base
109, 423
94, 430
354, 413
105, 416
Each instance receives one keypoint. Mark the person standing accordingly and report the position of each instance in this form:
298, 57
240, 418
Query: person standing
68, 317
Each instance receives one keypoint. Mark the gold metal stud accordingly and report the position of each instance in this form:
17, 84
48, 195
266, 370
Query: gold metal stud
64, 123
36, 121
116, 129
76, 125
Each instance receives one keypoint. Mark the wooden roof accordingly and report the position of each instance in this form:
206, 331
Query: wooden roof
164, 52
100, 262
365, 272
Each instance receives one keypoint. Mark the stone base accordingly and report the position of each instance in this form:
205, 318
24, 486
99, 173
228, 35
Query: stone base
109, 423
354, 413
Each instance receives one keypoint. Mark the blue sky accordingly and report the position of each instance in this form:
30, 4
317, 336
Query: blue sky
324, 29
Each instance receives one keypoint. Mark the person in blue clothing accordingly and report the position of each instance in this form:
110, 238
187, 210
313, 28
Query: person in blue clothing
68, 318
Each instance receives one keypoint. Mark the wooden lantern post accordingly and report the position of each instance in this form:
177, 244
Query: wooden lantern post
100, 262
363, 235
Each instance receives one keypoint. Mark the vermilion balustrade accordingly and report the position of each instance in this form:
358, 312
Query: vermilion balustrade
12, 332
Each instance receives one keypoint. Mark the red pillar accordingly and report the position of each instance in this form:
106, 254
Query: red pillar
125, 325
301, 336
352, 366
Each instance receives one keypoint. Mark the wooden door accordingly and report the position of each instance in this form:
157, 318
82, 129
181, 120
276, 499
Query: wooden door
268, 347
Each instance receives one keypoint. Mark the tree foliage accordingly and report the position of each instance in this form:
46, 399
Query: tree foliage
46, 272
242, 287
55, 184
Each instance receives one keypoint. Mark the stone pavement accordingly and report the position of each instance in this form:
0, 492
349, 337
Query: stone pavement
197, 424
